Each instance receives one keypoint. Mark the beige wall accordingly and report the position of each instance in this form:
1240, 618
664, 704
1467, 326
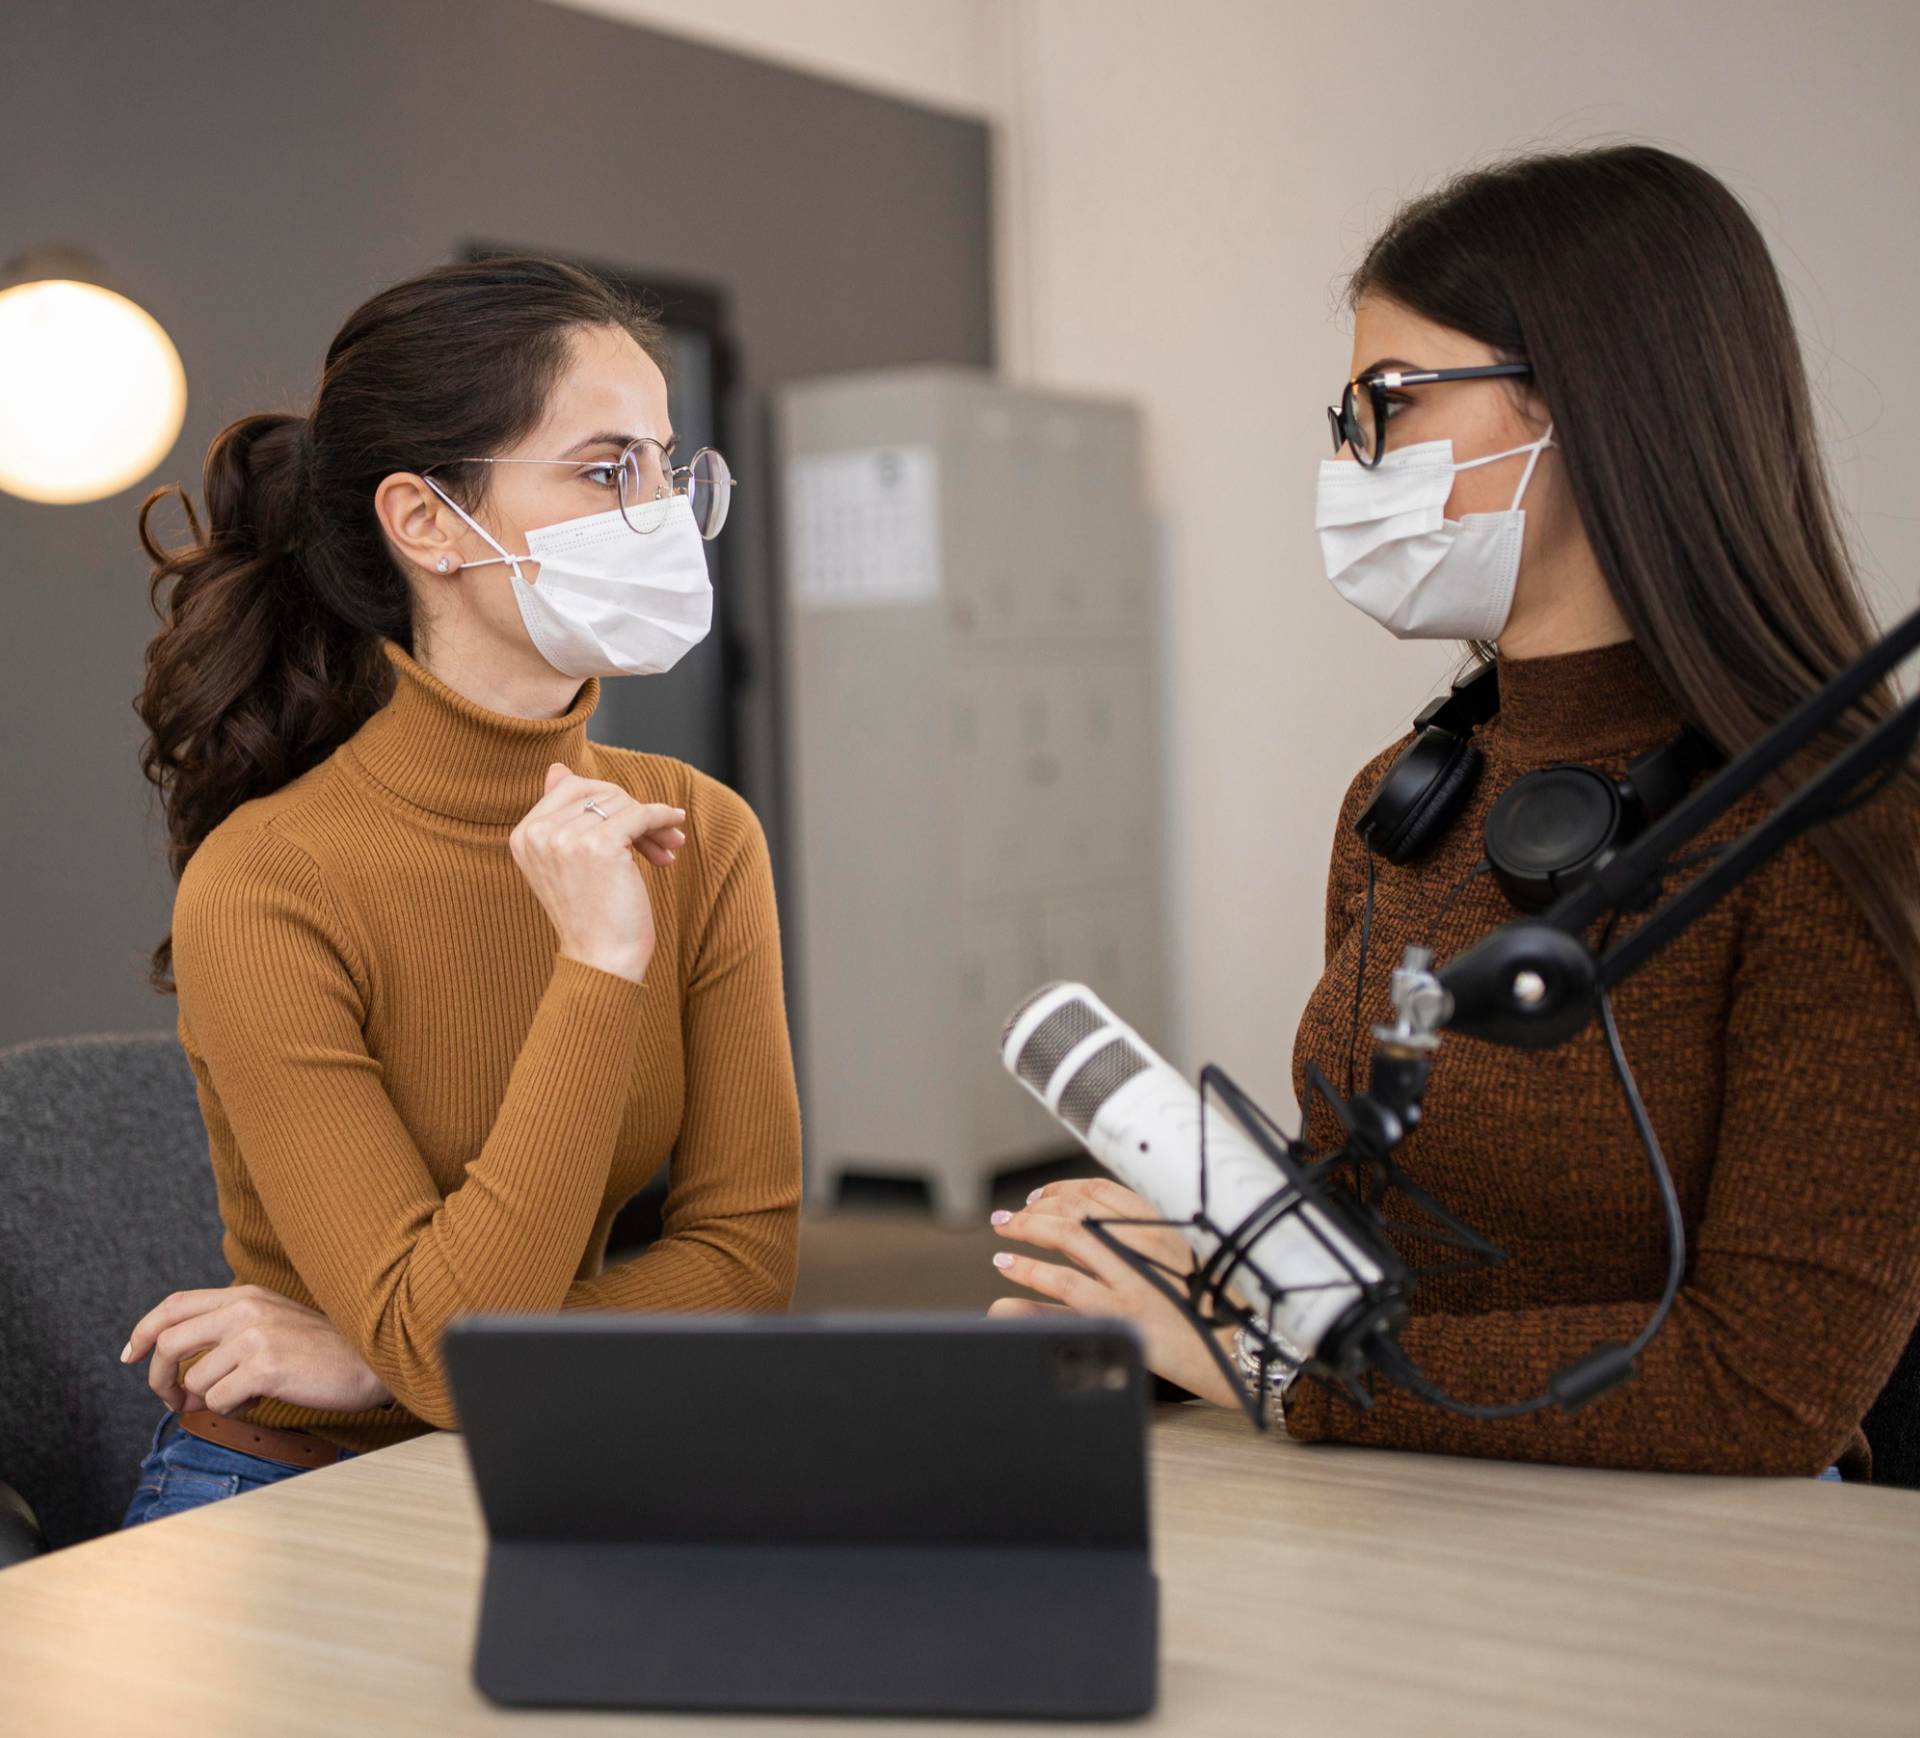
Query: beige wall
1183, 187
948, 53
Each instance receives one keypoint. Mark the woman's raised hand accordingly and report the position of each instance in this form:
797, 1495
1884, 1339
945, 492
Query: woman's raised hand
582, 871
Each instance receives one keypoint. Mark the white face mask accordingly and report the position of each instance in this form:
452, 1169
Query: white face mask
611, 601
1391, 551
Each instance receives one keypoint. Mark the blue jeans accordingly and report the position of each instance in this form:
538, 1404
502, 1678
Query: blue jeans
181, 1472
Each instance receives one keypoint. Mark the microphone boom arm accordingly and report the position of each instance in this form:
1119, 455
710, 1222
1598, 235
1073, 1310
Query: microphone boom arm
1534, 982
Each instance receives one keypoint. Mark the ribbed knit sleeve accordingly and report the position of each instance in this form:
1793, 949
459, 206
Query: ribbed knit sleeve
730, 1226
273, 1003
1804, 1277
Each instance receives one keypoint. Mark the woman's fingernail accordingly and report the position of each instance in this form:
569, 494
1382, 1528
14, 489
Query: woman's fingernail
999, 1218
1003, 1260
126, 1351
1033, 1197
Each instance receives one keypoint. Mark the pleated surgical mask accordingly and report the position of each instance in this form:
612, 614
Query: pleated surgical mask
1391, 551
610, 600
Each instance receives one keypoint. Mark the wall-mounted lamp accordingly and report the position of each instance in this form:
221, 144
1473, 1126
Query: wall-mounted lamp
92, 394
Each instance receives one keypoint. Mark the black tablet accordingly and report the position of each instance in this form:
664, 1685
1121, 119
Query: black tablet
829, 1514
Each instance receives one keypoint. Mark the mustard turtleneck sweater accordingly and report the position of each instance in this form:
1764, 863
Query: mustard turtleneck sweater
417, 1109
1778, 1051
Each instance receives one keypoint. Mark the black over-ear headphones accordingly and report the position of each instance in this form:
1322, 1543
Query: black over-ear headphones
1549, 828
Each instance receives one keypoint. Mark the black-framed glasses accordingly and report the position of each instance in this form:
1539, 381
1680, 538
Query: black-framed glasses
645, 474
1365, 431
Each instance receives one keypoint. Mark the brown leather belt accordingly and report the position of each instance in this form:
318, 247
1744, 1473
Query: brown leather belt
288, 1447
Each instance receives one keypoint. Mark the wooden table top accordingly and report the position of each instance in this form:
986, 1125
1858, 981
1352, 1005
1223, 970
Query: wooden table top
1305, 1591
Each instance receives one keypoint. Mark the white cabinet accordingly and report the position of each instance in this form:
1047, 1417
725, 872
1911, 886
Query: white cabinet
973, 745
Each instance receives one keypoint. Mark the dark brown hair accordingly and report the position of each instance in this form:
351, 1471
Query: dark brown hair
1641, 292
268, 653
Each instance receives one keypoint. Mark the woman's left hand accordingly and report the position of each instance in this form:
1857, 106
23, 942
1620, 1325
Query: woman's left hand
1100, 1283
256, 1345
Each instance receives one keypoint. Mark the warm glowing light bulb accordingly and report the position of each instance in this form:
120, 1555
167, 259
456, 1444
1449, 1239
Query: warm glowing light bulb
92, 394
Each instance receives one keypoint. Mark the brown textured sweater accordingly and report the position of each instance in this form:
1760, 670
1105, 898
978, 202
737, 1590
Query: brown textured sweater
1778, 1051
417, 1109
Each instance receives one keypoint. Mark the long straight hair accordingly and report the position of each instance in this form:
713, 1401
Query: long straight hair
1642, 294
268, 655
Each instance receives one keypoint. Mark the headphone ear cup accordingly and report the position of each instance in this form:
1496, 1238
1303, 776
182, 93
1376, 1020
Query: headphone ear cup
1547, 830
1419, 795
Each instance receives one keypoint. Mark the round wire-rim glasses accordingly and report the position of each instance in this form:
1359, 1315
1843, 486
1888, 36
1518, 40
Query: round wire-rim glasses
645, 473
1367, 437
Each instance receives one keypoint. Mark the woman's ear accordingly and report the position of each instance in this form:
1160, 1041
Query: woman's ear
414, 519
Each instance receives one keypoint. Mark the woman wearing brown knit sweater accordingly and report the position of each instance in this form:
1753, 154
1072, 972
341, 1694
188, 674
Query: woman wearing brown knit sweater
453, 979
1679, 563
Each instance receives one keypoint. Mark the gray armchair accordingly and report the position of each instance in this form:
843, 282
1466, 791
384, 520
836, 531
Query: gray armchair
106, 1204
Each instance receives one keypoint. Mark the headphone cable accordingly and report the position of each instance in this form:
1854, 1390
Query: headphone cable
1398, 1366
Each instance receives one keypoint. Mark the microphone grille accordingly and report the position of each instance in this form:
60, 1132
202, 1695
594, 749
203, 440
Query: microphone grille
1013, 1019
1050, 1041
1096, 1080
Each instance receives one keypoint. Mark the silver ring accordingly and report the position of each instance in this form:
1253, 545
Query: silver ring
594, 804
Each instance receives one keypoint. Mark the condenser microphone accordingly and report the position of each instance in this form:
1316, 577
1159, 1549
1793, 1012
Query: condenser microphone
1331, 1284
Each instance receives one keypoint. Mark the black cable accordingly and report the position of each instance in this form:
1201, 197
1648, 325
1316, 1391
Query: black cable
1366, 932
1454, 892
1662, 1177
1401, 1369
1360, 976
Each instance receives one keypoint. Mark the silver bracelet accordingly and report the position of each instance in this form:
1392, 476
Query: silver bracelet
1280, 1376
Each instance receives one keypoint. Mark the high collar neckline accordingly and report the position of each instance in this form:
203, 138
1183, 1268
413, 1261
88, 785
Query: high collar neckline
1581, 705
442, 752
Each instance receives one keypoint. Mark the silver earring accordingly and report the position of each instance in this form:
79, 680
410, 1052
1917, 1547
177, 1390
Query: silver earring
443, 564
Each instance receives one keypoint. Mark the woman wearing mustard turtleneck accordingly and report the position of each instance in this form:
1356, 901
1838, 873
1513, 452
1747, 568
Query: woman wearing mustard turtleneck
454, 981
1602, 335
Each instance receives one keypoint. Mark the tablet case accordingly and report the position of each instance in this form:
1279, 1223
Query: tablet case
846, 1515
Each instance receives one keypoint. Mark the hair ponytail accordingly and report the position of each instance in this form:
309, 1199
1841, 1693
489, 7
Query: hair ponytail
251, 679
268, 653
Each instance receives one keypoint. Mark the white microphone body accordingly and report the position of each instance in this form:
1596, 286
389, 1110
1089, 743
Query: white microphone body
1142, 1119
